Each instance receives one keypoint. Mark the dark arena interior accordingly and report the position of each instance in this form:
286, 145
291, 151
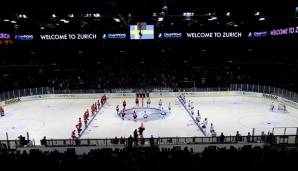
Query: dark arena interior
149, 84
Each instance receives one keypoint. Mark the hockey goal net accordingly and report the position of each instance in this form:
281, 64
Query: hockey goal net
282, 106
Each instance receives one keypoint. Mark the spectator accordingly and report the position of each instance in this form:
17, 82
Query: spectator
222, 138
115, 141
44, 141
248, 137
238, 137
142, 141
121, 141
77, 141
152, 141
22, 141
135, 136
130, 141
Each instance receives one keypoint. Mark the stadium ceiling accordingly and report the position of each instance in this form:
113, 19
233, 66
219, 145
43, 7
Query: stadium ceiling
116, 15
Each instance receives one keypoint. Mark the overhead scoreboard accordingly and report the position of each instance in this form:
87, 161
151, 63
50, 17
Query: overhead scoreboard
141, 31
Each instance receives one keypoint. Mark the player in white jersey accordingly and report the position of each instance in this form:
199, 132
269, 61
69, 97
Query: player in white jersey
211, 128
198, 118
272, 106
205, 123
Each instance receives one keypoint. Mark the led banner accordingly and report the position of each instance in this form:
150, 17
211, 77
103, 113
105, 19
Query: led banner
257, 34
5, 36
5, 39
175, 35
23, 37
114, 36
284, 31
210, 35
68, 37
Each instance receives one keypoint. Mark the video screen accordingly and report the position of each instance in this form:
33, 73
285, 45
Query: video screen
138, 32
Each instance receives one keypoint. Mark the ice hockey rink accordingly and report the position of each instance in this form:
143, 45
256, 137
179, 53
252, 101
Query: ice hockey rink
56, 118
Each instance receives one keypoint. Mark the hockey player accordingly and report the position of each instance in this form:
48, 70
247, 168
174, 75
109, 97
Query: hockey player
198, 118
98, 104
1, 111
122, 114
73, 134
169, 106
160, 103
272, 106
284, 108
85, 120
211, 128
86, 115
80, 123
124, 104
92, 110
205, 123
95, 107
103, 99
145, 116
148, 102
78, 129
117, 109
135, 115
137, 102
192, 105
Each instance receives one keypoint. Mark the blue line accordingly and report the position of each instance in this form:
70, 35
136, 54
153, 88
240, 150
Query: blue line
201, 129
86, 127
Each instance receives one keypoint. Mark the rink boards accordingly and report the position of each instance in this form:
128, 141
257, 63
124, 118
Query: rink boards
243, 116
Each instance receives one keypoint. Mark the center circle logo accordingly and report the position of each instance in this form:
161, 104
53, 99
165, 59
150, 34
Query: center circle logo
143, 114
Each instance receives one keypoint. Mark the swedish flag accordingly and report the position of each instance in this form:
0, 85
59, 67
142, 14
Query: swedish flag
147, 33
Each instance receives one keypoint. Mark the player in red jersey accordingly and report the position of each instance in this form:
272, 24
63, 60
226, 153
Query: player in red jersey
73, 134
122, 114
95, 107
87, 114
98, 104
78, 129
80, 123
1, 111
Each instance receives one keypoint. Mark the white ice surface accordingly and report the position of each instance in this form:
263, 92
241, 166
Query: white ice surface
56, 118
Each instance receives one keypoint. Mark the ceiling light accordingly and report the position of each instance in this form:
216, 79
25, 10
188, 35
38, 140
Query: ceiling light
6, 20
257, 13
188, 14
96, 15
53, 15
64, 21
262, 19
117, 20
160, 19
228, 14
212, 18
13, 21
